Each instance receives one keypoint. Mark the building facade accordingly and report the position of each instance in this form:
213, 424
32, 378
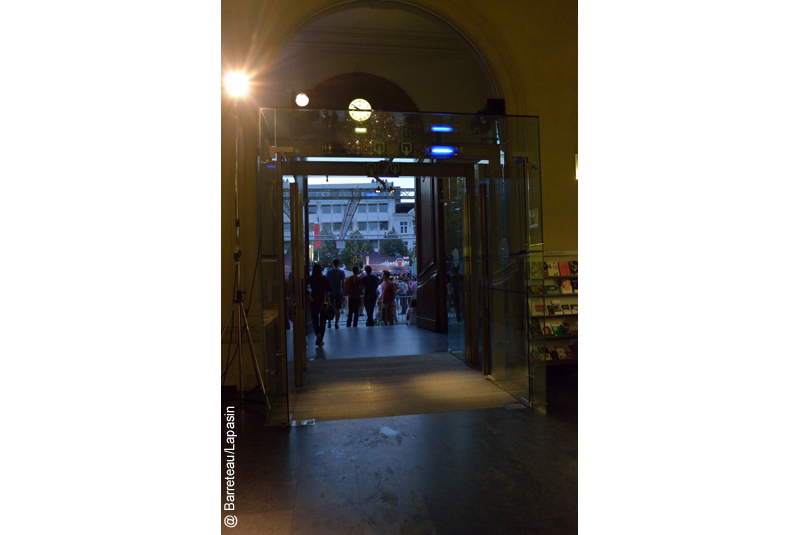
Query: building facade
344, 208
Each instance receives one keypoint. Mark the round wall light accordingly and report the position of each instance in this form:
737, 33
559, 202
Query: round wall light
301, 100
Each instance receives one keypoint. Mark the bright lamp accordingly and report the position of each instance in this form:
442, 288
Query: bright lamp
236, 83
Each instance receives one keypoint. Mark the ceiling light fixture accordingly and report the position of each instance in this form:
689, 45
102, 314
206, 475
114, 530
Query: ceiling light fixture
302, 100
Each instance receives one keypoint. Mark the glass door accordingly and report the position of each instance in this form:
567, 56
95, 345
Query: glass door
453, 191
298, 279
511, 240
275, 288
505, 283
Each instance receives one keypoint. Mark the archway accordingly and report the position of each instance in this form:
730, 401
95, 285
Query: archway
268, 41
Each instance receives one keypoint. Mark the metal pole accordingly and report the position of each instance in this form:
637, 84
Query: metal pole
241, 311
237, 257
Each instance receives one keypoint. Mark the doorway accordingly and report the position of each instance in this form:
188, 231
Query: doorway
471, 242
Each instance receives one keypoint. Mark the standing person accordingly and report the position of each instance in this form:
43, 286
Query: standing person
379, 305
402, 291
371, 283
411, 315
354, 286
412, 286
388, 307
456, 287
320, 286
336, 277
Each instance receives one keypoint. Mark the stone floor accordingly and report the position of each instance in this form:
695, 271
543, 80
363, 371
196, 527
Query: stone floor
488, 471
491, 471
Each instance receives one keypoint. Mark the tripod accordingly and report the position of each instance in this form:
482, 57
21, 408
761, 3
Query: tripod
238, 303
242, 325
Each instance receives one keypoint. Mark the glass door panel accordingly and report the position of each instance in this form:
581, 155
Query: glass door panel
453, 192
513, 232
298, 278
274, 292
506, 292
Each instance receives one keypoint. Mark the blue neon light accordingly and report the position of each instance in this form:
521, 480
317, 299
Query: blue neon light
441, 128
443, 150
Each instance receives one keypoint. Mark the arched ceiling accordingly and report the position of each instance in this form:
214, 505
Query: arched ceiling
426, 59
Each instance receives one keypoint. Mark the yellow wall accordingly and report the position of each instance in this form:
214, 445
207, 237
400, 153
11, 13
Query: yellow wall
529, 47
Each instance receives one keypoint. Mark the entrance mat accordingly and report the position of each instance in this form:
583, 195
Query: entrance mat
341, 389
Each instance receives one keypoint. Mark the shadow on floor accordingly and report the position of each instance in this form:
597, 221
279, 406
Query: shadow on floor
468, 472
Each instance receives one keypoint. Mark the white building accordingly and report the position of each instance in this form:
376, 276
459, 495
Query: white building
346, 207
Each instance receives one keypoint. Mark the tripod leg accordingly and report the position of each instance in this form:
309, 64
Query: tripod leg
253, 355
228, 321
239, 310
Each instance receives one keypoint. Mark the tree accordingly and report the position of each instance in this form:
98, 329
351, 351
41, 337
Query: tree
354, 246
392, 245
328, 250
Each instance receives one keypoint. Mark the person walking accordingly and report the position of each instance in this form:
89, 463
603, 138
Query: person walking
388, 306
371, 283
336, 277
354, 286
320, 286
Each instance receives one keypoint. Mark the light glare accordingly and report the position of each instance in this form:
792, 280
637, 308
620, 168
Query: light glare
301, 100
236, 83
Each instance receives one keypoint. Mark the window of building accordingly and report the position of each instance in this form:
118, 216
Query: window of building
312, 208
337, 227
362, 208
286, 227
384, 207
325, 228
373, 208
362, 225
404, 228
384, 225
326, 208
337, 208
373, 225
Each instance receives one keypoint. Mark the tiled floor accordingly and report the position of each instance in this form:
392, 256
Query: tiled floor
492, 471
